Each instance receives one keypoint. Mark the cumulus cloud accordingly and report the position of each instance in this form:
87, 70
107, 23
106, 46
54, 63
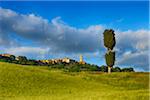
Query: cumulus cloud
56, 36
133, 48
139, 60
136, 40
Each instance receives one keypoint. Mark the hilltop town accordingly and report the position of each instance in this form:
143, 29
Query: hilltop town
63, 60
44, 62
66, 64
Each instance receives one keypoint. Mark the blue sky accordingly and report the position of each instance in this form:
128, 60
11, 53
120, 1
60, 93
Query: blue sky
82, 14
59, 29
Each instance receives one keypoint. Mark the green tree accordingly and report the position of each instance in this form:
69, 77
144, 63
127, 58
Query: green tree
116, 69
31, 62
109, 39
130, 69
22, 60
103, 68
12, 57
109, 43
110, 58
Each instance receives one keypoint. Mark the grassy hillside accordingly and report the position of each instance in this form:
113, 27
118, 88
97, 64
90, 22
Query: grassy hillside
18, 82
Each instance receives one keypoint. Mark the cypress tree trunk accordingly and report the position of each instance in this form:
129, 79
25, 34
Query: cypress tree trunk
109, 69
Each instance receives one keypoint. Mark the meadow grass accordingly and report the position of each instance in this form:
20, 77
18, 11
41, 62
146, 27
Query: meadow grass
19, 82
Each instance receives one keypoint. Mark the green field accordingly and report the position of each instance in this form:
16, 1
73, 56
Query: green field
18, 82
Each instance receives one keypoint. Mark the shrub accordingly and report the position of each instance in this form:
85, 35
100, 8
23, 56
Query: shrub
12, 57
103, 68
5, 59
31, 62
22, 60
130, 69
93, 68
116, 69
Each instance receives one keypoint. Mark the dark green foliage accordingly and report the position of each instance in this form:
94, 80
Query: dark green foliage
31, 62
89, 67
130, 69
59, 66
109, 39
14, 61
103, 68
93, 68
79, 67
116, 69
109, 43
110, 58
22, 60
5, 59
12, 57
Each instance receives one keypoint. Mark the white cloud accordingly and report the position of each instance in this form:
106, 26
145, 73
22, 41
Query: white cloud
7, 13
137, 40
56, 34
139, 60
133, 48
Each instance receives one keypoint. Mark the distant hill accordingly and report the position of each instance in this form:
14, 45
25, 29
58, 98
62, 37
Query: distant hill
22, 82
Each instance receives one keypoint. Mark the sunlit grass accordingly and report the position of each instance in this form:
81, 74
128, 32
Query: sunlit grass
18, 82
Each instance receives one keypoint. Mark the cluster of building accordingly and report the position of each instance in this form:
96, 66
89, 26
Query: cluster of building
8, 56
63, 60
56, 61
5, 55
53, 61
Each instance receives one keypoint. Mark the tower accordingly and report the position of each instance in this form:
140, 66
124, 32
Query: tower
81, 58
